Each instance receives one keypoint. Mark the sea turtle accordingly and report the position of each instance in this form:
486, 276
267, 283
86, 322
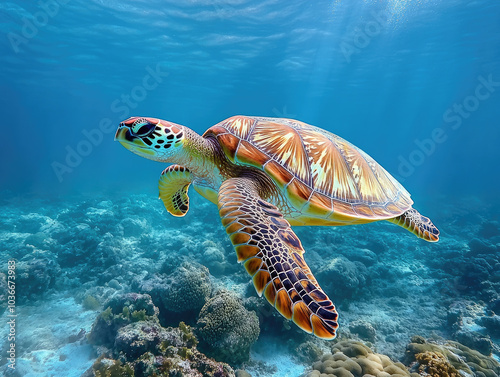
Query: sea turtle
266, 175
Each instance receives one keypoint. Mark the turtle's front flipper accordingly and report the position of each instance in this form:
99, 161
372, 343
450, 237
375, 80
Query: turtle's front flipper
419, 225
272, 255
173, 185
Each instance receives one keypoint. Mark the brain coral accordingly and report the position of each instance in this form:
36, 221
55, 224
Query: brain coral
227, 330
188, 289
354, 359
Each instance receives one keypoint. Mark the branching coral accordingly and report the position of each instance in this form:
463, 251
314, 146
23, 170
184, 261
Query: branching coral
434, 364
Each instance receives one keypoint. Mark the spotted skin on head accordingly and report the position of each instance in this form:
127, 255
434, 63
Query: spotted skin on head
150, 137
173, 185
419, 225
273, 255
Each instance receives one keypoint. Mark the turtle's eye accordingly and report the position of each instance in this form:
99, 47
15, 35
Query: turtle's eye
142, 127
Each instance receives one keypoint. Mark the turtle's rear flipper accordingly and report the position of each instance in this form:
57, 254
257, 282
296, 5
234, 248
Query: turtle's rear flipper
419, 225
273, 255
173, 186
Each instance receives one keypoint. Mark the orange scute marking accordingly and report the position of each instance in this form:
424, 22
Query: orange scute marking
284, 304
260, 279
319, 205
239, 238
234, 227
238, 125
298, 193
248, 154
277, 284
237, 213
393, 209
321, 329
343, 212
227, 220
293, 294
229, 144
299, 260
280, 175
252, 265
363, 210
380, 211
284, 145
270, 293
246, 251
215, 130
290, 239
308, 286
301, 314
225, 210
318, 295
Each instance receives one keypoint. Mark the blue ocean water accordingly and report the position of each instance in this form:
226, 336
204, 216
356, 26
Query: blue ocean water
415, 84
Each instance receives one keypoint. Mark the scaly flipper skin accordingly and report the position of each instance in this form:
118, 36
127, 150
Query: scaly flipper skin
273, 255
419, 225
173, 185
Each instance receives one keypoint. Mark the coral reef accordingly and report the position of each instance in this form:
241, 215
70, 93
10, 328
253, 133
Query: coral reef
179, 295
121, 311
133, 343
449, 358
90, 303
308, 352
227, 330
36, 273
354, 359
342, 276
188, 288
137, 338
364, 330
85, 254
492, 324
214, 258
146, 349
434, 364
464, 316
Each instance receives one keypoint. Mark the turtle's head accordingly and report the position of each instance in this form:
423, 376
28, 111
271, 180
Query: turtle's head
151, 138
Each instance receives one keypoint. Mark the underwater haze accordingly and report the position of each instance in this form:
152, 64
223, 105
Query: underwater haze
108, 283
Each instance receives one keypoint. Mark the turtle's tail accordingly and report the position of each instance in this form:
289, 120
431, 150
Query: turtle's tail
419, 225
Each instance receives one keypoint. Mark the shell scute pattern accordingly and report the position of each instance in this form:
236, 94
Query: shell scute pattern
320, 173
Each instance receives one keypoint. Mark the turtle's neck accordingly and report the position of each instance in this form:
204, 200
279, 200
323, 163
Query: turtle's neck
198, 155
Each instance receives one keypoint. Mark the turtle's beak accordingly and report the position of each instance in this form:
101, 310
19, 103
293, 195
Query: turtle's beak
120, 132
132, 143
